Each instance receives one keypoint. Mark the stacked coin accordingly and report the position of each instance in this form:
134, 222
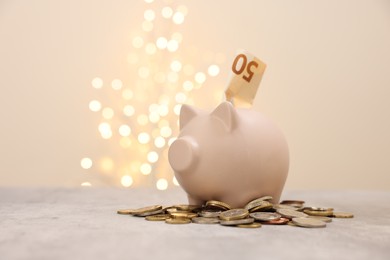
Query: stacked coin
255, 213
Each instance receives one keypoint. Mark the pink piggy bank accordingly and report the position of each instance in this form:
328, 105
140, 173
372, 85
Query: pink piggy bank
232, 155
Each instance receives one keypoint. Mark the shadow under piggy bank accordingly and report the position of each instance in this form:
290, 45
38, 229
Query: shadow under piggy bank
233, 155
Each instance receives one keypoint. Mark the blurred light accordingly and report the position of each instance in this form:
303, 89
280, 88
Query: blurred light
153, 108
108, 113
152, 157
126, 181
125, 142
128, 110
124, 130
154, 117
146, 168
150, 48
171, 140
132, 58
159, 142
188, 70
172, 45
149, 1
161, 42
175, 182
95, 105
138, 42
178, 18
86, 163
143, 138
116, 84
97, 83
106, 164
180, 97
166, 131
213, 70
142, 119
200, 77
188, 85
162, 184
127, 94
159, 77
177, 109
177, 37
105, 130
176, 66
147, 26
163, 110
164, 99
172, 77
167, 12
86, 184
149, 15
143, 72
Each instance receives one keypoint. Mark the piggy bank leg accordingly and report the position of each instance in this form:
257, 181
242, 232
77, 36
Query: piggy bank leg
195, 201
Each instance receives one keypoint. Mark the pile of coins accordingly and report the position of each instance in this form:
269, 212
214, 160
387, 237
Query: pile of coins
256, 213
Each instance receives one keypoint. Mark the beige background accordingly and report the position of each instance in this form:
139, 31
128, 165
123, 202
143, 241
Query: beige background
327, 83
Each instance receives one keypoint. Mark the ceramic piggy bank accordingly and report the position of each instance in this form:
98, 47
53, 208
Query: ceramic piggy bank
232, 155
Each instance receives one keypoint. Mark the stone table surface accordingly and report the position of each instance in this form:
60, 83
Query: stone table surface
81, 223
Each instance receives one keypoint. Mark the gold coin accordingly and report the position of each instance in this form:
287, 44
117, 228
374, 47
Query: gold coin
318, 209
281, 221
256, 202
252, 225
177, 221
149, 213
326, 213
186, 207
287, 213
125, 211
236, 222
308, 222
183, 214
290, 223
234, 214
301, 202
265, 216
203, 220
342, 215
324, 219
146, 209
265, 205
218, 204
283, 206
159, 217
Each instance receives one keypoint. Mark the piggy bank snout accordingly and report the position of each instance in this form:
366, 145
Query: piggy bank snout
182, 154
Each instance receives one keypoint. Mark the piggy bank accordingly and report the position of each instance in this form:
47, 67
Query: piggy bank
233, 155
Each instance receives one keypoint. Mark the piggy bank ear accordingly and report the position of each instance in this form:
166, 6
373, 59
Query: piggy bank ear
226, 113
187, 113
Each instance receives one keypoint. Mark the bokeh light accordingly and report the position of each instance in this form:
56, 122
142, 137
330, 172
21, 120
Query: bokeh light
162, 184
86, 163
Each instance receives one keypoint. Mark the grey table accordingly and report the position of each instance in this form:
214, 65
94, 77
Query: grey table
82, 223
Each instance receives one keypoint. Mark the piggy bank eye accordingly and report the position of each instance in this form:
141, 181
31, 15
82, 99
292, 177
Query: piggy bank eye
182, 154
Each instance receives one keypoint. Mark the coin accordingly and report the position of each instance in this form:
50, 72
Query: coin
265, 216
321, 213
318, 209
209, 213
186, 207
308, 222
265, 205
236, 222
125, 211
257, 202
287, 213
290, 223
149, 213
146, 209
252, 225
183, 214
177, 221
203, 220
292, 202
283, 206
324, 219
342, 215
218, 204
234, 214
159, 217
281, 221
